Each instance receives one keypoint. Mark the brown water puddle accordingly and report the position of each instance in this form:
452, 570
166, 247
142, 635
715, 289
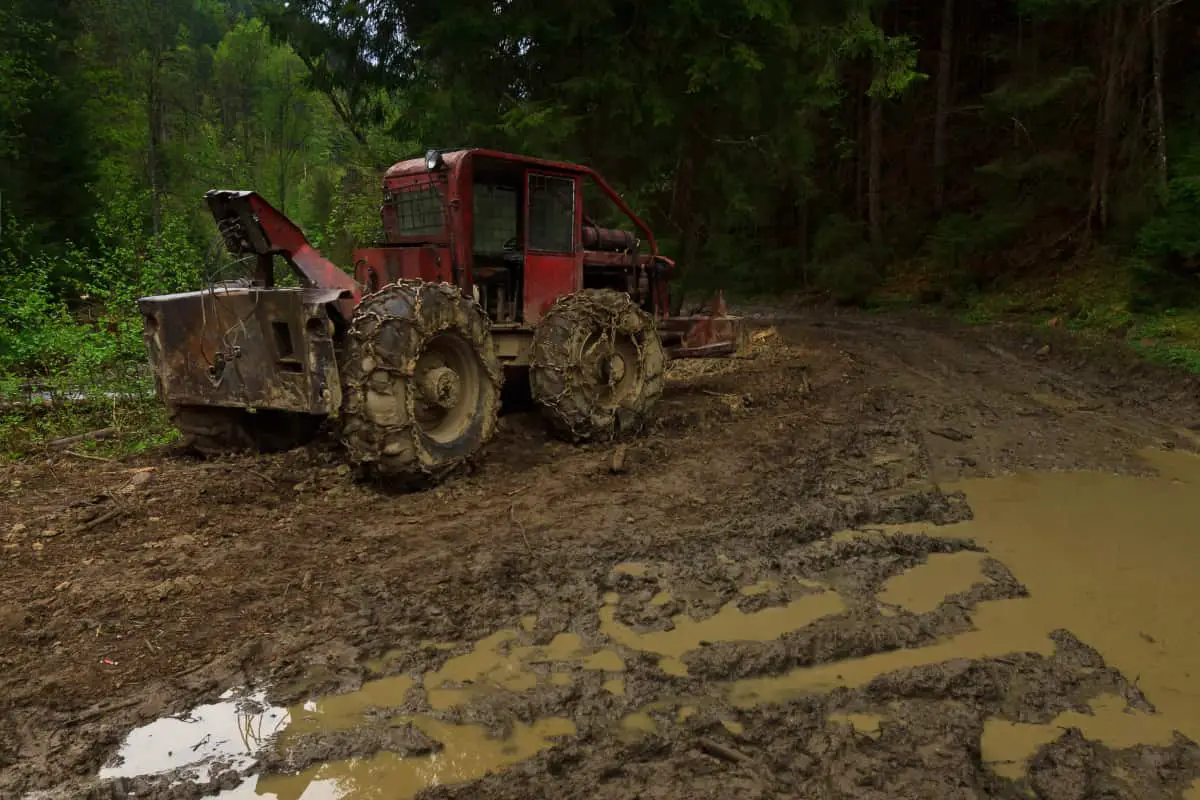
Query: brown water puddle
761, 587
345, 711
485, 669
467, 753
866, 724
924, 588
1110, 558
1007, 746
730, 624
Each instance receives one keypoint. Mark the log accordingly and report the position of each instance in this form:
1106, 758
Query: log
102, 433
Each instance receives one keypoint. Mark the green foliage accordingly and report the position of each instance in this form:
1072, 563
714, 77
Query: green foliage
844, 263
964, 247
1019, 96
1172, 239
1171, 337
859, 36
1167, 247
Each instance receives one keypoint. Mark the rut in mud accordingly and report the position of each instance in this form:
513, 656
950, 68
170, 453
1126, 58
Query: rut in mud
686, 626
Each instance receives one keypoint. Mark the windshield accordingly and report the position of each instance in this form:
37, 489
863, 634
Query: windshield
419, 210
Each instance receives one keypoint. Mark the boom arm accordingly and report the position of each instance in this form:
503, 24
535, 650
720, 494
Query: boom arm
252, 226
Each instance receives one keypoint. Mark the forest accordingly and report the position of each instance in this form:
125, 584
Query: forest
1036, 157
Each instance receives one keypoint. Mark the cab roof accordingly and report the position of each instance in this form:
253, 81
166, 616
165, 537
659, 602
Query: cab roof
453, 158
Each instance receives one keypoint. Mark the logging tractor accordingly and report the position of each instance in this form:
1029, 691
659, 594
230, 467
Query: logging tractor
490, 269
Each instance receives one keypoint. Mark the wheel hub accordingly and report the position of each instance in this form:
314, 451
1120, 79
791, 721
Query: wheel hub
441, 386
612, 368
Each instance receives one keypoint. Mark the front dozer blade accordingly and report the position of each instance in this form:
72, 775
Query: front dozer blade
244, 347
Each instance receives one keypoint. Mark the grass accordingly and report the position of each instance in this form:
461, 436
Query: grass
1090, 297
138, 420
1171, 338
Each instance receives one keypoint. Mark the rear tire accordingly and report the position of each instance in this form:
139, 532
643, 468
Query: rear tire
421, 382
213, 430
597, 365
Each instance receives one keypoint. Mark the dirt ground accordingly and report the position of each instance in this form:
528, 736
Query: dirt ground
136, 589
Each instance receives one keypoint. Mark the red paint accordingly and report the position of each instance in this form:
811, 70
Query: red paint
547, 278
376, 267
550, 275
455, 159
252, 225
429, 230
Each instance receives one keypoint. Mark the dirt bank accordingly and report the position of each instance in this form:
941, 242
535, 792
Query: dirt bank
137, 589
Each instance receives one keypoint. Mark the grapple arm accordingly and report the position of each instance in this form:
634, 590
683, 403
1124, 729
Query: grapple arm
249, 225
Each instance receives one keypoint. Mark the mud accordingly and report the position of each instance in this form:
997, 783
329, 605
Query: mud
850, 565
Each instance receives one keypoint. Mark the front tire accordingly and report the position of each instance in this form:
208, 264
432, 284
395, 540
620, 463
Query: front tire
597, 365
421, 382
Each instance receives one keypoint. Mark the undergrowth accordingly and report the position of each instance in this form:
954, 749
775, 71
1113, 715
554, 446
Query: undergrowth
126, 424
72, 359
1094, 295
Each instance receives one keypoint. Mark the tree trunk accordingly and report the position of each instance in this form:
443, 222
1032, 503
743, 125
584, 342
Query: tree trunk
1020, 61
803, 255
1158, 22
1106, 115
860, 160
875, 171
154, 121
284, 102
945, 66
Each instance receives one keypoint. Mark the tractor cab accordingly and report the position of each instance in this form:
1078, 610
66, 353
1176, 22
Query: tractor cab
512, 231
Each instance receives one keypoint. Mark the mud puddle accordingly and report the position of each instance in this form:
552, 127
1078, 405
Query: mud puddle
228, 734
464, 753
1110, 558
729, 624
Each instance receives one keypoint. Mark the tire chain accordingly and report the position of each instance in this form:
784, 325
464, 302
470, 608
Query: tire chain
612, 314
368, 441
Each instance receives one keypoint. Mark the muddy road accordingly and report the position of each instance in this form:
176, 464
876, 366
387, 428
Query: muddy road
810, 579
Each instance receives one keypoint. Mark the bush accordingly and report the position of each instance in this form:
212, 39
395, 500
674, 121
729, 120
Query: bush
72, 356
844, 264
1167, 271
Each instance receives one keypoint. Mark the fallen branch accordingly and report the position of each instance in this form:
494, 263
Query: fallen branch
260, 476
953, 434
724, 752
103, 433
103, 518
752, 767
87, 457
512, 514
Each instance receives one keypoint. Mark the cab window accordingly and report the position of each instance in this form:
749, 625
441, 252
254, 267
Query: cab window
551, 222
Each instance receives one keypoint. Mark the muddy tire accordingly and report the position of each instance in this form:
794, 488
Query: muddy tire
212, 430
420, 382
597, 365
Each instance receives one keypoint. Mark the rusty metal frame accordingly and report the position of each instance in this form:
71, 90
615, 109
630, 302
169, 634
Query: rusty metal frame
245, 347
711, 335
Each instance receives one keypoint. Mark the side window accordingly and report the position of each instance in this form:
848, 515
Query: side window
551, 214
495, 215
